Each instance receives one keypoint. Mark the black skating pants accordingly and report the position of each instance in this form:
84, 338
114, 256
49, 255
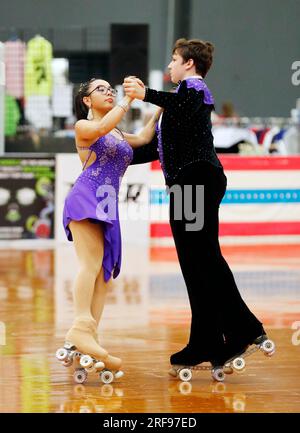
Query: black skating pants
218, 310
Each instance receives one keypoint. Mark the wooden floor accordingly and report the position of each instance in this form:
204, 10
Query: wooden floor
145, 320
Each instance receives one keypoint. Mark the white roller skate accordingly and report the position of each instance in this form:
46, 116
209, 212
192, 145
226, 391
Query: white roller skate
85, 364
185, 372
91, 365
238, 363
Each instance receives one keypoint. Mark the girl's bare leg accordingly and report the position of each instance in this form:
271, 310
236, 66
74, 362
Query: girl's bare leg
100, 291
89, 245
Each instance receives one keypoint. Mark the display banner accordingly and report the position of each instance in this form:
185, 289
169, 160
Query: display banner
27, 189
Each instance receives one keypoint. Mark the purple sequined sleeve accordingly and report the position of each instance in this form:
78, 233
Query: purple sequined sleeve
198, 84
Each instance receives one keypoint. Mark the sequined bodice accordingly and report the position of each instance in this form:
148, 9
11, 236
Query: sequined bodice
112, 159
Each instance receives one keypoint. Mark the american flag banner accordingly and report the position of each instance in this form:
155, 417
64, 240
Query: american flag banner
262, 201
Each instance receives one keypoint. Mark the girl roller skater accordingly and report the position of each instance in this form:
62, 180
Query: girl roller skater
222, 326
90, 215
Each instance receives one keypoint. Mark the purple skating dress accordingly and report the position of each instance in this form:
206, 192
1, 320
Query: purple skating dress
94, 196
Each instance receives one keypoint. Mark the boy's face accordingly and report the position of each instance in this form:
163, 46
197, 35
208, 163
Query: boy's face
177, 68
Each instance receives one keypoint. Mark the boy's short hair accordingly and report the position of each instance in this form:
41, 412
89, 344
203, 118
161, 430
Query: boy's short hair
200, 51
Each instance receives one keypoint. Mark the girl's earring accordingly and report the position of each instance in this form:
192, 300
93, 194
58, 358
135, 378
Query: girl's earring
90, 115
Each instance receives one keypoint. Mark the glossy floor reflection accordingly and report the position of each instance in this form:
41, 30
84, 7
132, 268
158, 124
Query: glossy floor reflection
145, 320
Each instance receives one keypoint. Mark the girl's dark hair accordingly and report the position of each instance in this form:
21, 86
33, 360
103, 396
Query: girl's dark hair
81, 109
200, 51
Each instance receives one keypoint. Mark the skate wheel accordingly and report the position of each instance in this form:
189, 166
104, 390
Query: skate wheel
69, 346
185, 388
99, 365
238, 364
119, 374
269, 354
106, 376
185, 374
268, 346
173, 372
67, 362
86, 361
61, 354
218, 374
80, 376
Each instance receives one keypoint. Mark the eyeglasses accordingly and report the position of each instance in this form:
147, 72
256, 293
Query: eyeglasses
104, 90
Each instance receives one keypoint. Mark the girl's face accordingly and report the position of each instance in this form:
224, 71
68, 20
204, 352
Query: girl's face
177, 68
101, 96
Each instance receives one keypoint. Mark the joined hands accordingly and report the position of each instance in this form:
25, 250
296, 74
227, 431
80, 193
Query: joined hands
134, 87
